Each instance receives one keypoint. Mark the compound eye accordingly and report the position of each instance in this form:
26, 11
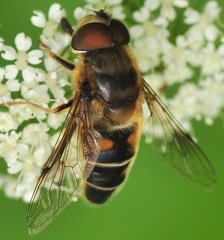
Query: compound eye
92, 36
120, 32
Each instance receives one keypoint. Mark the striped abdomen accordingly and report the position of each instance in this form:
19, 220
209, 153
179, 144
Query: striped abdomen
115, 83
112, 163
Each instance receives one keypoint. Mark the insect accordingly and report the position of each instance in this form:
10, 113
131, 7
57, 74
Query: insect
105, 116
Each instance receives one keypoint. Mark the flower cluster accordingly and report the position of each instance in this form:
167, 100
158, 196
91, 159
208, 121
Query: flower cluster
30, 76
193, 61
189, 59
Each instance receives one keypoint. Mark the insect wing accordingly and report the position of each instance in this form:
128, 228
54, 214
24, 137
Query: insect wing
60, 180
88, 139
177, 146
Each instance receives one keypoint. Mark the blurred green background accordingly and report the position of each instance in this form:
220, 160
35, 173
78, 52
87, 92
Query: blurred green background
156, 203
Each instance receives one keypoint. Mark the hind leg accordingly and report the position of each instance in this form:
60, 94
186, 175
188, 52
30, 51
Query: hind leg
53, 110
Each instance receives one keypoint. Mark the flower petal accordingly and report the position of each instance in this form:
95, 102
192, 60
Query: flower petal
11, 72
9, 53
23, 43
136, 31
220, 50
54, 121
13, 85
114, 2
161, 22
168, 12
34, 56
39, 19
7, 122
40, 75
62, 39
40, 94
2, 73
28, 74
141, 15
50, 64
15, 167
152, 4
191, 16
118, 12
56, 12
79, 13
212, 10
211, 33
180, 3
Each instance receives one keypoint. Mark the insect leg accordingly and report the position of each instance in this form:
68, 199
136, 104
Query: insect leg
66, 26
69, 65
53, 110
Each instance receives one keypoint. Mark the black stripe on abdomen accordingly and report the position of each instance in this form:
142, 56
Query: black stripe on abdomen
109, 172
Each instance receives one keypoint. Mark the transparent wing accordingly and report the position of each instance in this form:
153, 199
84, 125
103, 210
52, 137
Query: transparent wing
62, 175
177, 146
88, 139
58, 183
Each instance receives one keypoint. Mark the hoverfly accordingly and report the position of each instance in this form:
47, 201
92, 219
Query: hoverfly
105, 115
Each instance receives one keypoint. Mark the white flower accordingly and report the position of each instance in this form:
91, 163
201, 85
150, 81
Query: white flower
5, 94
114, 7
6, 122
21, 57
191, 16
39, 19
149, 43
34, 157
56, 120
152, 5
54, 81
38, 129
7, 88
50, 35
141, 15
79, 13
36, 93
13, 85
167, 10
155, 80
184, 103
204, 27
211, 97
212, 10
114, 2
27, 161
2, 73
11, 189
213, 61
177, 66
49, 26
117, 11
23, 113
8, 145
58, 42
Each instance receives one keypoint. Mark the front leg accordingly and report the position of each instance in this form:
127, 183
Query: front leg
68, 65
66, 26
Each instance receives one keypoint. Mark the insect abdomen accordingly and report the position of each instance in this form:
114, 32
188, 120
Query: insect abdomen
112, 165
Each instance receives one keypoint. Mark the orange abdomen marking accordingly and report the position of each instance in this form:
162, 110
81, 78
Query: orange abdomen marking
104, 143
112, 164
